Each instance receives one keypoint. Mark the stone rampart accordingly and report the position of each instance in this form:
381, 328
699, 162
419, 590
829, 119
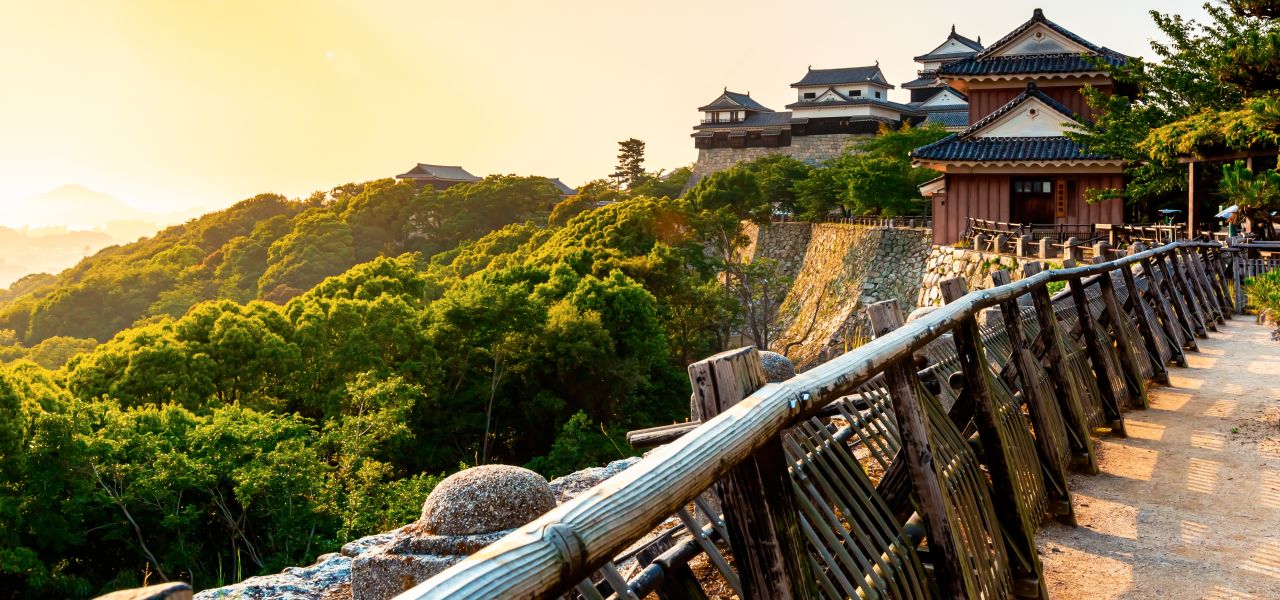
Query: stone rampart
813, 149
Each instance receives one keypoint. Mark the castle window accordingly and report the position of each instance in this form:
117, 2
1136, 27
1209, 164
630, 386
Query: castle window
855, 93
877, 94
809, 95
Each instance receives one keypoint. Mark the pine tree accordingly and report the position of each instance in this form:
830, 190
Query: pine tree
630, 171
1216, 88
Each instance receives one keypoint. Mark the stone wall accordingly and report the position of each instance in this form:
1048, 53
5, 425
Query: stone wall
838, 269
812, 149
945, 262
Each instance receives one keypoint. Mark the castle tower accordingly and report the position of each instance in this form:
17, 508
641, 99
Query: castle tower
1014, 164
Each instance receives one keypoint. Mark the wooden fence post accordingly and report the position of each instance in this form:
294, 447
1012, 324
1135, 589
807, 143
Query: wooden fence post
1124, 346
1199, 288
1110, 404
1048, 429
917, 450
1179, 301
1146, 328
1237, 264
1212, 295
1179, 330
678, 581
761, 513
1183, 285
1213, 264
1055, 362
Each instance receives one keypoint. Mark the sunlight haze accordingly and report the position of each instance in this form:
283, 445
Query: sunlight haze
171, 106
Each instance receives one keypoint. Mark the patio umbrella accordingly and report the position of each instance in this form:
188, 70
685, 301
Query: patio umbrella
1226, 214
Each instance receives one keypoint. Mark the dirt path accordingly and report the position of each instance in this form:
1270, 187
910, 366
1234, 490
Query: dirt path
1188, 506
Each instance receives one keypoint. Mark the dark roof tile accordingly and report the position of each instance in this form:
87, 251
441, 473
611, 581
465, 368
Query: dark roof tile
953, 148
753, 120
442, 172
922, 82
844, 75
983, 63
1030, 64
856, 101
730, 100
948, 118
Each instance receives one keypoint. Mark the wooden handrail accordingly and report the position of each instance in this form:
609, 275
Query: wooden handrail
549, 555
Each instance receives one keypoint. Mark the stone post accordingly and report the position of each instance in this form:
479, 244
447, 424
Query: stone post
1046, 250
1101, 249
1001, 240
1072, 251
464, 513
979, 242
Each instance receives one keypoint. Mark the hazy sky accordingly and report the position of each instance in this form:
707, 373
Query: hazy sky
173, 104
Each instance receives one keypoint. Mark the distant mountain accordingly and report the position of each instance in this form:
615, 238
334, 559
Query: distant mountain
76, 207
52, 231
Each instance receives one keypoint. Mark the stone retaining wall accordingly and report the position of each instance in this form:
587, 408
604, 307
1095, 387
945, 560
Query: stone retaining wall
813, 149
945, 262
837, 269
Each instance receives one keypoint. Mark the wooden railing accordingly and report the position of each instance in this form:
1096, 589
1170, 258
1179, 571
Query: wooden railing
1149, 233
1056, 232
909, 221
813, 508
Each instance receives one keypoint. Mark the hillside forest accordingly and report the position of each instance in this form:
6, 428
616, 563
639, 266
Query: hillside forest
257, 386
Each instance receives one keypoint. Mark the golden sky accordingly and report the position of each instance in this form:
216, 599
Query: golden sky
176, 104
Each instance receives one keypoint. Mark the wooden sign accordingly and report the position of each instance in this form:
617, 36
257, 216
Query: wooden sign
1060, 198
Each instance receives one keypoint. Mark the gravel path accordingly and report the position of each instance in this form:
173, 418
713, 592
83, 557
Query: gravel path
1188, 506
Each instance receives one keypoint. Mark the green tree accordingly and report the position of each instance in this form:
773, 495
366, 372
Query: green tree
663, 185
319, 245
630, 170
1212, 89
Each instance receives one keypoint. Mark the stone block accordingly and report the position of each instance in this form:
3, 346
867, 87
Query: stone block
165, 591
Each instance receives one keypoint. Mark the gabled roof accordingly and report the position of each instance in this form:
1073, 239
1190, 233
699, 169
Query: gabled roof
991, 61
926, 79
733, 100
1031, 92
815, 77
1037, 18
935, 101
934, 54
564, 188
967, 146
441, 172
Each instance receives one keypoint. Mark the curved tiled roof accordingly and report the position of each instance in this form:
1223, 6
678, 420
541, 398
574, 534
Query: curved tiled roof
948, 118
753, 120
984, 63
1038, 17
729, 100
441, 172
922, 82
1027, 64
844, 75
964, 146
975, 47
953, 148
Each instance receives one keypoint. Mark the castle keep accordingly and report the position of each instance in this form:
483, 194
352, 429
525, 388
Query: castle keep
1014, 163
833, 108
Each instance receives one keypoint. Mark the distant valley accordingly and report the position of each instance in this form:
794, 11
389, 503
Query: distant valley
49, 232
